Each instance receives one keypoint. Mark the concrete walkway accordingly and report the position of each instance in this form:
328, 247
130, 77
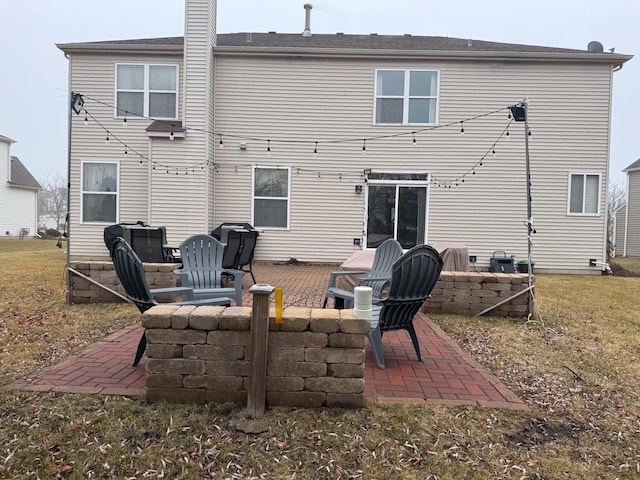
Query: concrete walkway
447, 376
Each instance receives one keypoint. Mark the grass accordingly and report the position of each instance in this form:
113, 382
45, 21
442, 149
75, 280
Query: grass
576, 364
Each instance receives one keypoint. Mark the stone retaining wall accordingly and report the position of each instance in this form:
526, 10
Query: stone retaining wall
158, 275
201, 355
462, 293
468, 293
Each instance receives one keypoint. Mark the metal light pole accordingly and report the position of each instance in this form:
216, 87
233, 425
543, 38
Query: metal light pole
520, 114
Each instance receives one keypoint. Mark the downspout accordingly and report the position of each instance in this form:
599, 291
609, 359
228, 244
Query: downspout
626, 217
67, 216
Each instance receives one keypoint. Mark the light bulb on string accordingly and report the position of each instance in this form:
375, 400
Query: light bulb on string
461, 128
268, 148
125, 150
493, 152
507, 134
171, 135
529, 131
364, 146
106, 140
315, 150
415, 143
221, 143
124, 120
86, 118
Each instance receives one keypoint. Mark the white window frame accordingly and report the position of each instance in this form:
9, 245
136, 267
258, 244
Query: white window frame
82, 192
118, 113
254, 197
406, 97
584, 176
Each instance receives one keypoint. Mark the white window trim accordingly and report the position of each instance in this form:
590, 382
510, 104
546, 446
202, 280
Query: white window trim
82, 192
405, 96
145, 113
584, 192
254, 197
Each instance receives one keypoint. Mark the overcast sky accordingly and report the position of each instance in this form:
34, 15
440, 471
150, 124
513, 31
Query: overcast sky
33, 72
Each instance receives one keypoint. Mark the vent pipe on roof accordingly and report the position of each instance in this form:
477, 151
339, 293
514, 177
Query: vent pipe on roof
307, 20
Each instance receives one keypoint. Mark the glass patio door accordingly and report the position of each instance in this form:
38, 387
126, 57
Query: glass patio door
396, 210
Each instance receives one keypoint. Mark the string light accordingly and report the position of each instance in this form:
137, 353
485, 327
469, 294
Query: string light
315, 150
221, 143
86, 118
124, 120
457, 180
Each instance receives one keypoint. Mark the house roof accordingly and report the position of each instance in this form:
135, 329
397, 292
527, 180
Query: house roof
20, 176
348, 44
634, 166
6, 139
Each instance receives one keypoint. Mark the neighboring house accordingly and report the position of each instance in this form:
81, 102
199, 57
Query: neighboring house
627, 217
324, 141
18, 195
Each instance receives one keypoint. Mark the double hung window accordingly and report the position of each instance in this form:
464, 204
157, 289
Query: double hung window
584, 194
147, 90
99, 192
271, 201
406, 97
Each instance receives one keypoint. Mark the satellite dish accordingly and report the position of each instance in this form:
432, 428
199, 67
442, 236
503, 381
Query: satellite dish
595, 47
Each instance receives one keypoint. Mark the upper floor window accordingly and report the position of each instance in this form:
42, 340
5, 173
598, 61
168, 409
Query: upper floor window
584, 194
147, 90
99, 192
271, 187
406, 97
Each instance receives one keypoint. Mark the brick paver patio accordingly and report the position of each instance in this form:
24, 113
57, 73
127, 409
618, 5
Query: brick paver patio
448, 375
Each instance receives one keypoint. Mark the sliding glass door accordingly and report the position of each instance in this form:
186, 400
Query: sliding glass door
396, 208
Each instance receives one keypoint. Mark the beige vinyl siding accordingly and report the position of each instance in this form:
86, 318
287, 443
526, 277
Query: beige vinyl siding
633, 230
620, 229
308, 100
94, 77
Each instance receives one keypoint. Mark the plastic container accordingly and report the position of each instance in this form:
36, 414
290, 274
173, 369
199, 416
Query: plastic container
523, 266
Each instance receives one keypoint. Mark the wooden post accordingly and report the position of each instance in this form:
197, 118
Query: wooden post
256, 397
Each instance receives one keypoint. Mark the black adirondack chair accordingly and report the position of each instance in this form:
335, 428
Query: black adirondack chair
413, 277
130, 271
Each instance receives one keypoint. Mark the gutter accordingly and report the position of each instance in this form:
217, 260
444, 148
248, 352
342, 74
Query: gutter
606, 58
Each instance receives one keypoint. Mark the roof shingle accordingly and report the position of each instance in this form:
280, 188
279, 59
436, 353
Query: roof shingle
20, 176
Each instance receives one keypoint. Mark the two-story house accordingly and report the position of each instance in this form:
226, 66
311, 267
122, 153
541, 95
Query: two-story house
18, 195
327, 141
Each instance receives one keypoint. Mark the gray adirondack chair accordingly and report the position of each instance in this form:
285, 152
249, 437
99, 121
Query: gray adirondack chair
202, 269
387, 253
413, 277
130, 271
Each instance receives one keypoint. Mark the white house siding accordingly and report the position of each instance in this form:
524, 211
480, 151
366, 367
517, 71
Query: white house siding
633, 218
94, 75
323, 99
19, 205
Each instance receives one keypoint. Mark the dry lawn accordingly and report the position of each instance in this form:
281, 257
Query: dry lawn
576, 365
